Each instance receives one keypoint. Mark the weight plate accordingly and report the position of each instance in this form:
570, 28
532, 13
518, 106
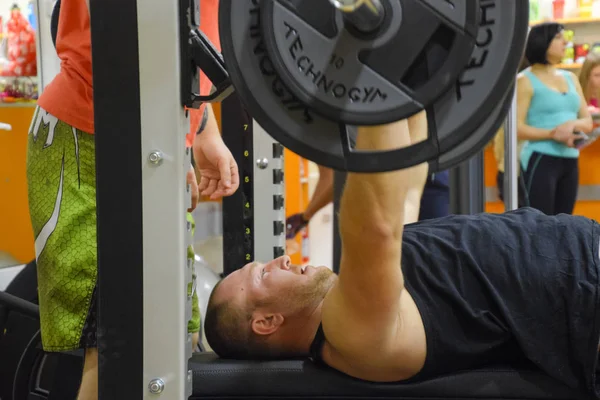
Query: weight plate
455, 116
369, 78
477, 140
474, 143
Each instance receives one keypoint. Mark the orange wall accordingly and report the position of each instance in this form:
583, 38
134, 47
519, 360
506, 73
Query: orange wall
589, 174
16, 234
296, 198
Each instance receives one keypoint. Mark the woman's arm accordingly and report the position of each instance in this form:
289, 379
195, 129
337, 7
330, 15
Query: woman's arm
524, 95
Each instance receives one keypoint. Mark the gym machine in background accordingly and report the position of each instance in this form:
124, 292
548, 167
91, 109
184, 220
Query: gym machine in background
467, 186
467, 181
511, 159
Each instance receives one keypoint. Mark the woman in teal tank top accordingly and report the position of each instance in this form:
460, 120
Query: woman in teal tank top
551, 113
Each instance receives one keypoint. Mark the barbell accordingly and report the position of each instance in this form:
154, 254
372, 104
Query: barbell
311, 71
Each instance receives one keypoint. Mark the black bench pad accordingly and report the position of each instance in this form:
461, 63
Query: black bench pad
216, 378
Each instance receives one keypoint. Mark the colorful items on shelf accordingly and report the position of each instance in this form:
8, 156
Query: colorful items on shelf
21, 50
581, 52
18, 90
569, 57
585, 8
559, 9
575, 53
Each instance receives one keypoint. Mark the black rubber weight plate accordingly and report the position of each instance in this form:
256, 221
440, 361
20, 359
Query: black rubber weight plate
478, 139
364, 79
457, 115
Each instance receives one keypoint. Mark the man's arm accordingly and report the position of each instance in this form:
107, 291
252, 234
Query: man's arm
417, 127
215, 166
366, 298
211, 128
323, 194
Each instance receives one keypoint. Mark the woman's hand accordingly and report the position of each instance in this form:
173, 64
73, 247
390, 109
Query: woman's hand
565, 133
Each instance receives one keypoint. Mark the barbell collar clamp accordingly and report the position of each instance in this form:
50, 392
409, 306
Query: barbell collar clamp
366, 16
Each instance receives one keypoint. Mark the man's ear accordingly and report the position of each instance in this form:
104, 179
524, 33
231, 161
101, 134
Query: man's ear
266, 324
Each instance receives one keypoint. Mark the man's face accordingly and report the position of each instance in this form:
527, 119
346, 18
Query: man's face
277, 287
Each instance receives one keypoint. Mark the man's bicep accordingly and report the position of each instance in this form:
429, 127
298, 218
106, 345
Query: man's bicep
365, 301
370, 277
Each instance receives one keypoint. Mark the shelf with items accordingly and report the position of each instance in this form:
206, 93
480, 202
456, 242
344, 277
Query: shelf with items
581, 23
565, 12
18, 55
568, 21
18, 91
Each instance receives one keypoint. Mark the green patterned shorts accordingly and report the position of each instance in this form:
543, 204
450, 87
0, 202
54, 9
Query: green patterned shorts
61, 175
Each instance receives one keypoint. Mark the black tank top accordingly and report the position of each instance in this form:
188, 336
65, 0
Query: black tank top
519, 287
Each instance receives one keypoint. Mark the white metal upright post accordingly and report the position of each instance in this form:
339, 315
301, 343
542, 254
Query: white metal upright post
167, 307
143, 233
511, 168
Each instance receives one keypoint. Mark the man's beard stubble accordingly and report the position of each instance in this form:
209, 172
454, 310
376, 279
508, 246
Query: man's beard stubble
313, 294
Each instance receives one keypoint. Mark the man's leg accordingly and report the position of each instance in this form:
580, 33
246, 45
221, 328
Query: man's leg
195, 340
61, 180
88, 389
196, 321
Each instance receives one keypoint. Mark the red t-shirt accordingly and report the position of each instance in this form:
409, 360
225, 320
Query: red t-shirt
70, 96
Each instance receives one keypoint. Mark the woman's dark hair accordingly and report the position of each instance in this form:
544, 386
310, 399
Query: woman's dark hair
538, 41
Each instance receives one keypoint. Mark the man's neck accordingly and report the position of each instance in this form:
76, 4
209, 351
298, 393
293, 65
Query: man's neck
301, 335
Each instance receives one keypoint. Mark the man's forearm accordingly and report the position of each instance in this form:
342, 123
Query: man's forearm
373, 204
323, 194
211, 127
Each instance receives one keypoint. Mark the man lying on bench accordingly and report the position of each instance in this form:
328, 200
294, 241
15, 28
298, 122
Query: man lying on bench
417, 300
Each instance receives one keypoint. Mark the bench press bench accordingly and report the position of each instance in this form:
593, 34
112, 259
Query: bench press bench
216, 378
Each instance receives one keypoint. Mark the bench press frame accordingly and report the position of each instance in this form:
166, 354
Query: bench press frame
142, 200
